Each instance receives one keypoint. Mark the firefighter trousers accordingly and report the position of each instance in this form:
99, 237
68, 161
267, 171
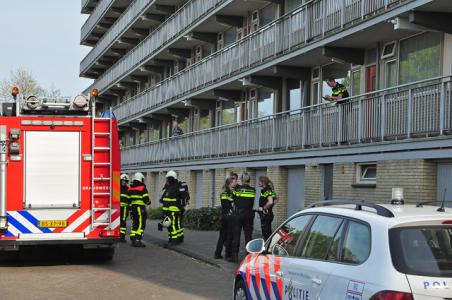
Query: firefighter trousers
266, 224
225, 237
242, 221
139, 216
175, 230
123, 221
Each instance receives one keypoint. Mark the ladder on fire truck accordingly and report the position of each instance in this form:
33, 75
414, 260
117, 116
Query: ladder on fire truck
101, 170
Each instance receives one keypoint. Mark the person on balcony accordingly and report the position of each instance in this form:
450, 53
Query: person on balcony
176, 130
339, 91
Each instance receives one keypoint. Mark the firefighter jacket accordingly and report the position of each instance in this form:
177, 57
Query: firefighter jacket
171, 197
244, 198
138, 194
125, 199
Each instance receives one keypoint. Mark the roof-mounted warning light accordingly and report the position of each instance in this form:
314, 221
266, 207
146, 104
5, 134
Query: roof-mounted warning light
397, 196
95, 93
14, 92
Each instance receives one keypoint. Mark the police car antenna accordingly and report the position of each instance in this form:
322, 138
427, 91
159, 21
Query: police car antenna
441, 209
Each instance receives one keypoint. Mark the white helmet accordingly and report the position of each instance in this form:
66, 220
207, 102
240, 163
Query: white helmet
166, 222
138, 177
125, 177
171, 174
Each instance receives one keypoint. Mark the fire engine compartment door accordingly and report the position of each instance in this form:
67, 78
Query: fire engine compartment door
52, 169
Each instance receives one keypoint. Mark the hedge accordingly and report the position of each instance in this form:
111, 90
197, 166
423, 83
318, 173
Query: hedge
205, 218
155, 213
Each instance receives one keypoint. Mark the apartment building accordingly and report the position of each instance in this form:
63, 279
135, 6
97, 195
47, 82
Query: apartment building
246, 80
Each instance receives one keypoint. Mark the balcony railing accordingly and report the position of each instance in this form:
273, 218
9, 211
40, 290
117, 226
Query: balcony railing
127, 18
171, 28
410, 111
290, 32
101, 8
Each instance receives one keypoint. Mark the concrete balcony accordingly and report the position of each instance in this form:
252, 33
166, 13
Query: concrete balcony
129, 17
88, 6
101, 19
173, 28
293, 34
415, 116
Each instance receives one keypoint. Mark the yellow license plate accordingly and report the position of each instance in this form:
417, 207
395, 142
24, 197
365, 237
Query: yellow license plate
53, 223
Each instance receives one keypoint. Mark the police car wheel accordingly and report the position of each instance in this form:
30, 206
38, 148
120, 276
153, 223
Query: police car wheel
240, 291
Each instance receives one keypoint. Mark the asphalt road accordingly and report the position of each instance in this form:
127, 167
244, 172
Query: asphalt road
135, 273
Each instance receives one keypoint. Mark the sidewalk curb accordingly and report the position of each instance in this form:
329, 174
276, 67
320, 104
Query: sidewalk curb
218, 263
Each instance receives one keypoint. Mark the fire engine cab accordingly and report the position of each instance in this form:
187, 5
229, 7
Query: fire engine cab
59, 173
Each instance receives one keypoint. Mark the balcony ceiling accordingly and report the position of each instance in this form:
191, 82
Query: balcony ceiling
242, 7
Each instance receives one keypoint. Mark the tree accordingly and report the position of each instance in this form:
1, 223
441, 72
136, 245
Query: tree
23, 79
53, 92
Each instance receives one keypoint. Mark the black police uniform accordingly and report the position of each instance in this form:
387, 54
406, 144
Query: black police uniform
172, 208
125, 203
244, 196
226, 226
340, 90
266, 215
139, 198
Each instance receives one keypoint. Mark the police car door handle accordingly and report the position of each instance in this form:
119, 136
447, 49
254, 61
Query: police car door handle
280, 274
317, 281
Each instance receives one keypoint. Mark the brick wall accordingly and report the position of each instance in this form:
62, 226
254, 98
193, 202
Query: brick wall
278, 176
207, 187
416, 177
312, 184
220, 177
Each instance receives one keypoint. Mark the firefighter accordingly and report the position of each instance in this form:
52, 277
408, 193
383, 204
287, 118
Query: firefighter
172, 208
139, 198
266, 202
125, 203
244, 196
226, 226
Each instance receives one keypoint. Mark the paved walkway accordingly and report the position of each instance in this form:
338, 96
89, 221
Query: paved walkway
199, 245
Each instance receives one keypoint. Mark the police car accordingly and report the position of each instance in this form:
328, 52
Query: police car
353, 250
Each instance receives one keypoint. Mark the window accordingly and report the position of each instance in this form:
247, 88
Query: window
366, 173
315, 93
391, 73
238, 114
321, 237
357, 244
265, 102
227, 116
389, 50
356, 82
284, 242
205, 119
422, 251
293, 4
295, 98
419, 57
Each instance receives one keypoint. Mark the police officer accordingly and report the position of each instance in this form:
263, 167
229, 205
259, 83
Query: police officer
339, 91
125, 202
266, 202
172, 208
226, 226
139, 198
244, 195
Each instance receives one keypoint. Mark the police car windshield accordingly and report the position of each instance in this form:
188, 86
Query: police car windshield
422, 251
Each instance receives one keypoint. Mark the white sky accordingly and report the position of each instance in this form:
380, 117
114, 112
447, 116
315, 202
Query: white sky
43, 36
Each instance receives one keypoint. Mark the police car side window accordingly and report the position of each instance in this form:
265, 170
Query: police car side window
284, 242
321, 237
357, 243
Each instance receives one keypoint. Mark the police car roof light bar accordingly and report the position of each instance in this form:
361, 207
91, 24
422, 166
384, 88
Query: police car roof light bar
380, 210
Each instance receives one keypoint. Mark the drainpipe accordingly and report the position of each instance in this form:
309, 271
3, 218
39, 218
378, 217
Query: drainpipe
3, 165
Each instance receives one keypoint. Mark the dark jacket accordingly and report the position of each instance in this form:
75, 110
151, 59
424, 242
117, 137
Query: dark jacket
171, 197
244, 196
227, 203
125, 199
138, 194
265, 193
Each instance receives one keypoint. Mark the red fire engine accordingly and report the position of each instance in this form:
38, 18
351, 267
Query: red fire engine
59, 173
